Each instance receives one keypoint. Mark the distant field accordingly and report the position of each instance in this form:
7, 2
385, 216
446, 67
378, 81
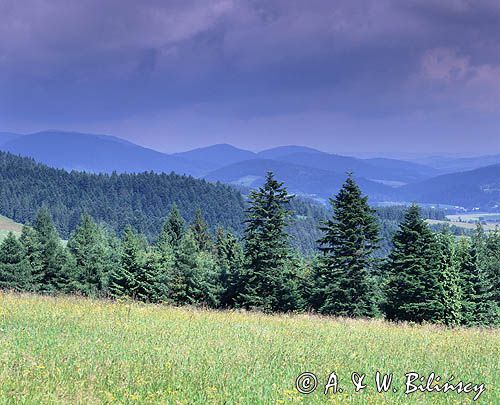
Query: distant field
7, 225
71, 350
465, 225
474, 217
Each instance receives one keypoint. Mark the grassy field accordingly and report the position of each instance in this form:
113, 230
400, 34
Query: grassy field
465, 225
71, 350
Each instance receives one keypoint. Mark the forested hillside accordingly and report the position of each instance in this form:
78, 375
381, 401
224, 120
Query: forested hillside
476, 188
142, 200
425, 277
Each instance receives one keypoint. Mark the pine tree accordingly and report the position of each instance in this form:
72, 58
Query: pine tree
267, 250
449, 277
55, 271
413, 288
128, 278
201, 233
345, 285
32, 253
15, 271
230, 259
173, 229
490, 273
89, 248
470, 281
194, 278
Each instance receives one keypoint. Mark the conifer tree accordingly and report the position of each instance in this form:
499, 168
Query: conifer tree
15, 271
470, 281
173, 229
267, 284
344, 282
201, 233
54, 271
449, 277
92, 262
490, 274
230, 259
128, 278
195, 279
413, 287
32, 253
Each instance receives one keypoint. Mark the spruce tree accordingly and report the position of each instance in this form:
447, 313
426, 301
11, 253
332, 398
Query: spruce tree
344, 281
195, 280
173, 229
413, 287
15, 273
91, 254
230, 259
128, 278
201, 233
32, 254
449, 277
490, 274
54, 268
267, 274
470, 281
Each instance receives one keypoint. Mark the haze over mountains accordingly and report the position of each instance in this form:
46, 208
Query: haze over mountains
305, 171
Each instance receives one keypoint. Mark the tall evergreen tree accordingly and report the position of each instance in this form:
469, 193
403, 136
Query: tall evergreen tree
470, 281
15, 271
173, 229
32, 253
267, 276
490, 272
54, 271
194, 279
413, 287
230, 260
128, 278
345, 285
201, 233
89, 248
451, 292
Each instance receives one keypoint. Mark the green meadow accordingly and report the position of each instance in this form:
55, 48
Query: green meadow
8, 225
75, 350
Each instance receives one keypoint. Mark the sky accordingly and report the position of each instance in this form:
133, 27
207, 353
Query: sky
385, 77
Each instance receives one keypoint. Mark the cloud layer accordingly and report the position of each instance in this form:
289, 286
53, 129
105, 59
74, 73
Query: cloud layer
190, 72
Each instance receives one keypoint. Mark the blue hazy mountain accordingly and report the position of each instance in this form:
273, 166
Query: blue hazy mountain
281, 151
96, 153
388, 171
299, 179
448, 164
305, 170
217, 156
479, 188
7, 136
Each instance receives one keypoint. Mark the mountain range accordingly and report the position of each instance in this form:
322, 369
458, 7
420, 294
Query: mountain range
306, 171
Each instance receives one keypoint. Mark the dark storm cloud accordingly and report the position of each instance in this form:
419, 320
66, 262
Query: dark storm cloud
65, 62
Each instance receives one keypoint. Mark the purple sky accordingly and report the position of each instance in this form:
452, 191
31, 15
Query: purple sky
348, 76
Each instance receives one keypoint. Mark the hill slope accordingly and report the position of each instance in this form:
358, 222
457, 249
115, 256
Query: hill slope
381, 170
96, 153
299, 179
148, 354
216, 156
476, 188
141, 200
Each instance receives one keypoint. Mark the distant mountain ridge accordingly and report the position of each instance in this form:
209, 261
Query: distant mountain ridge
96, 153
306, 171
479, 188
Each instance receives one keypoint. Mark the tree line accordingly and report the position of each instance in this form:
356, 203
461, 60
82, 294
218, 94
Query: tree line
426, 277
